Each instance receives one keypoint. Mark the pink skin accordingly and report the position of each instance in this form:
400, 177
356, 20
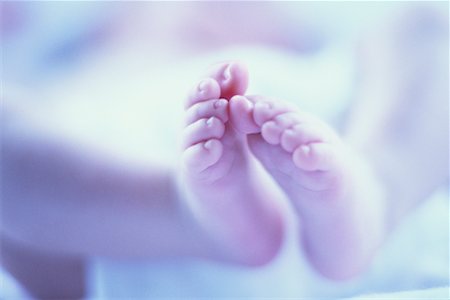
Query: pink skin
309, 145
323, 179
221, 179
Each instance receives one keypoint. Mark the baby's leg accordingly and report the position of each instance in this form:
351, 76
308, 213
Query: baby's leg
225, 190
332, 190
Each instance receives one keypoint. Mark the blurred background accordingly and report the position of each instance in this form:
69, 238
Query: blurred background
41, 38
113, 76
137, 60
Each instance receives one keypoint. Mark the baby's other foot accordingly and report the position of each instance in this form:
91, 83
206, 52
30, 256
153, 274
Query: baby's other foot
298, 149
223, 188
324, 180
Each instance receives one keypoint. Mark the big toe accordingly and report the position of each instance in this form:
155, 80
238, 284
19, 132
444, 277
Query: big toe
241, 115
232, 78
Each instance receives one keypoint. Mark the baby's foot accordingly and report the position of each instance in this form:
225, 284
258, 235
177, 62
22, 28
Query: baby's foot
300, 151
320, 176
224, 188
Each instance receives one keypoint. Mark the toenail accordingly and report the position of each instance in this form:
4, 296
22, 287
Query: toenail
203, 86
227, 73
220, 103
208, 144
289, 131
305, 149
209, 121
247, 102
271, 123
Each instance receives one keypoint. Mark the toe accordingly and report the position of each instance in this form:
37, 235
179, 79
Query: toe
241, 115
300, 134
272, 130
266, 109
232, 78
316, 157
201, 156
206, 89
206, 109
202, 130
290, 119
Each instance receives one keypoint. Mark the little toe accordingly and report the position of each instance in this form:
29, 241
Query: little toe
241, 115
316, 157
232, 78
206, 109
202, 130
201, 156
206, 89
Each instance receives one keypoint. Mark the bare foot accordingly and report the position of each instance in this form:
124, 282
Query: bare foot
224, 185
299, 150
324, 180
